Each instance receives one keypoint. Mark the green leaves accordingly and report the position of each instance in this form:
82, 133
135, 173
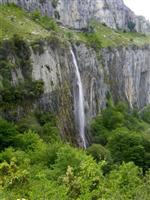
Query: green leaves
8, 134
40, 166
127, 146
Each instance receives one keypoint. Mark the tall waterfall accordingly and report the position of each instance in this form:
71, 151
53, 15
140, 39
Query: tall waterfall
79, 102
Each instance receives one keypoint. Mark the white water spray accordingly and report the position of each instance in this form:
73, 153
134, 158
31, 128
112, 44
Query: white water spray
79, 102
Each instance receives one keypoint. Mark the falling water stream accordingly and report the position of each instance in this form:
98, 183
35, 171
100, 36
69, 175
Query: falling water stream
79, 102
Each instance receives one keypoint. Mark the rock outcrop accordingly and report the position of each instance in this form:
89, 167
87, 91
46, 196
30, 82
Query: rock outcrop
78, 14
123, 72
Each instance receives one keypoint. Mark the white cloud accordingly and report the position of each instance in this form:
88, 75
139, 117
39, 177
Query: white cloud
140, 7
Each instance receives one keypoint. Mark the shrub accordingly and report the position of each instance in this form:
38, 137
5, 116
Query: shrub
8, 134
28, 90
99, 152
125, 145
29, 141
112, 118
50, 133
45, 117
54, 3
45, 21
145, 114
28, 122
98, 131
131, 26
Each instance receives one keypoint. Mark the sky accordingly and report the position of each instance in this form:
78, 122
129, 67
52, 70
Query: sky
140, 7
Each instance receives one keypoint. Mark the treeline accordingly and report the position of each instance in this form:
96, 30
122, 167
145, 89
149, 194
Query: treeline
37, 164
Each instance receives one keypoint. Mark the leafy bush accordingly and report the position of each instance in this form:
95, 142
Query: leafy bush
112, 118
45, 21
50, 133
39, 166
29, 122
54, 3
127, 146
94, 41
131, 26
45, 117
29, 141
28, 90
8, 134
145, 114
99, 152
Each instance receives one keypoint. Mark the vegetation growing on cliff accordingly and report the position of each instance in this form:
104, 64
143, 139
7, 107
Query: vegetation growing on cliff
15, 55
35, 26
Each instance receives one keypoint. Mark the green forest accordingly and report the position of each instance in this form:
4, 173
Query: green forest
37, 164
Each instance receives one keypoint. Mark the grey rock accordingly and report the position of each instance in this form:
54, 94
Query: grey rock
124, 72
78, 14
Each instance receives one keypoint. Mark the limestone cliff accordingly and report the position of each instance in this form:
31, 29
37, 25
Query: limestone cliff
122, 70
79, 13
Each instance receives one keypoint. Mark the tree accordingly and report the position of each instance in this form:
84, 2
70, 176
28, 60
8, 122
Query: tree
131, 26
127, 146
8, 134
123, 183
99, 152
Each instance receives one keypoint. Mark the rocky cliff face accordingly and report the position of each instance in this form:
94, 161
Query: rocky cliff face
123, 72
79, 13
55, 67
128, 74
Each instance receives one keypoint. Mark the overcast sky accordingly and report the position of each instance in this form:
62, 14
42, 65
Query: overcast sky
140, 7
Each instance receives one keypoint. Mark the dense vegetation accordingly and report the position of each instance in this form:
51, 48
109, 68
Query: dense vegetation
37, 164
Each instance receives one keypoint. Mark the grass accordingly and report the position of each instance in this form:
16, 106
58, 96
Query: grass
14, 20
103, 37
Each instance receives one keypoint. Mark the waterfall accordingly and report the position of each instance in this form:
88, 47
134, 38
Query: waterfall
79, 102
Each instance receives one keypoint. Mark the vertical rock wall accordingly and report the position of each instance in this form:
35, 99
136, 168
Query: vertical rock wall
79, 13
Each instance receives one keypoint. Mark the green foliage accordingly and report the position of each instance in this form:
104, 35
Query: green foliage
127, 146
99, 152
123, 183
35, 169
112, 118
28, 90
15, 20
54, 3
67, 156
20, 51
28, 141
145, 114
46, 117
106, 37
94, 41
11, 176
124, 133
131, 26
7, 134
29, 122
45, 21
50, 133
